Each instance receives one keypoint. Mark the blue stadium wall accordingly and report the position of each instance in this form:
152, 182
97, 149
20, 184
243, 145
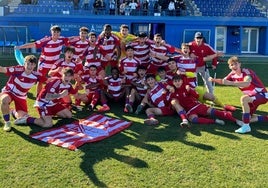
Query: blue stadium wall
173, 29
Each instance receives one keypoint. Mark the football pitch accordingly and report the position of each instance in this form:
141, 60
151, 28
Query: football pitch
143, 156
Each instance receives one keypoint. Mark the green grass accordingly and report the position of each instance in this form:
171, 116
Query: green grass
143, 156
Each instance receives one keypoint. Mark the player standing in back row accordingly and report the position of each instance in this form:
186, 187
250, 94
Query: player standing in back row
51, 49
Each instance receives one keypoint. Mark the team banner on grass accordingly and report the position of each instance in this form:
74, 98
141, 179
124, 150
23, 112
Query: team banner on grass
91, 129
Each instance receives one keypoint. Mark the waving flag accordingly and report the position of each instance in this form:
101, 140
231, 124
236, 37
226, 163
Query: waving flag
19, 57
94, 128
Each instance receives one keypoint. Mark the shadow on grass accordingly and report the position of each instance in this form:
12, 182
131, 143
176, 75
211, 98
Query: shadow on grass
98, 152
95, 153
28, 138
258, 129
31, 96
139, 136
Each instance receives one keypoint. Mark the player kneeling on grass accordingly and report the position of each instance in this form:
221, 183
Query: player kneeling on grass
21, 80
115, 89
197, 112
92, 89
253, 89
49, 101
138, 89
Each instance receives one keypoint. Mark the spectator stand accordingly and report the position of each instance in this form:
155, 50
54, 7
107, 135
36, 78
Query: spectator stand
11, 36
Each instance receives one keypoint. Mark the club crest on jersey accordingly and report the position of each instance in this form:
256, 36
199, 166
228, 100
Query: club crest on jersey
11, 69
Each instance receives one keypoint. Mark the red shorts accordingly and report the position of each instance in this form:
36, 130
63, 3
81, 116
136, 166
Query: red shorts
43, 70
41, 66
50, 110
258, 100
93, 96
166, 111
200, 109
20, 104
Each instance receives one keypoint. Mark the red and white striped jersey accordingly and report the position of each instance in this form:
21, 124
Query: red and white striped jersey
167, 80
19, 83
91, 80
156, 96
187, 64
141, 89
170, 75
62, 63
93, 56
129, 66
142, 53
114, 86
51, 50
55, 86
256, 85
108, 45
79, 46
161, 50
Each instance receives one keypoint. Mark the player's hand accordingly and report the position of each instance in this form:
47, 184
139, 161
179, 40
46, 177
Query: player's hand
108, 57
210, 79
220, 54
187, 87
77, 60
178, 72
172, 90
152, 54
78, 78
123, 81
216, 80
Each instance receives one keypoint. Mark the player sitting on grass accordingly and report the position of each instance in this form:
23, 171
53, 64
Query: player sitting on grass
138, 90
197, 112
254, 91
92, 89
156, 99
128, 67
56, 72
114, 91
